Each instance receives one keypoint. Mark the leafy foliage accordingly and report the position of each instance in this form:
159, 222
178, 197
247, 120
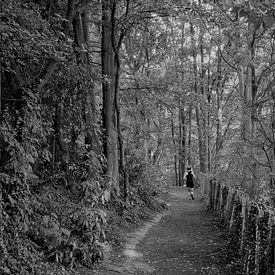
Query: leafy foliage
186, 69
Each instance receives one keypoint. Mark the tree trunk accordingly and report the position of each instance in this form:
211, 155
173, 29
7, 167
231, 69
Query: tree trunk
253, 91
158, 151
174, 150
81, 39
210, 201
197, 108
123, 171
69, 17
116, 45
272, 152
219, 106
108, 88
189, 157
202, 111
209, 134
90, 116
59, 133
182, 137
0, 93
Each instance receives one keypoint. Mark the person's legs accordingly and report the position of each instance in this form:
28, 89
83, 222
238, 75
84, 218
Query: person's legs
192, 193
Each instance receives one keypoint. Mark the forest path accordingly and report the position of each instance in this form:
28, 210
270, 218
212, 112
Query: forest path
182, 240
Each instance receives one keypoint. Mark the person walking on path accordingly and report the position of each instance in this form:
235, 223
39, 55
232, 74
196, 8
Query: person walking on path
189, 179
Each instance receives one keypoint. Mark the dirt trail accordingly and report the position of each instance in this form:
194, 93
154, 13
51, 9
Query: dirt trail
183, 240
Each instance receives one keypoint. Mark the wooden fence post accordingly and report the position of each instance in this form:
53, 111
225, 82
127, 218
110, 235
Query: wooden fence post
231, 220
210, 203
225, 200
203, 187
270, 253
244, 223
215, 196
221, 200
257, 246
229, 205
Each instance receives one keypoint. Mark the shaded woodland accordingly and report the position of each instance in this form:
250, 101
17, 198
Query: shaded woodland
103, 103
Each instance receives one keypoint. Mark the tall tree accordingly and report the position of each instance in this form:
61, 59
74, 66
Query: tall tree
108, 87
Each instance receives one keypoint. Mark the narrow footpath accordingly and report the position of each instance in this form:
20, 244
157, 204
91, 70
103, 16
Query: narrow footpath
182, 240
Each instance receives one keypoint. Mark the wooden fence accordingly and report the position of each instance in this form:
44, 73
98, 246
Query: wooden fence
251, 224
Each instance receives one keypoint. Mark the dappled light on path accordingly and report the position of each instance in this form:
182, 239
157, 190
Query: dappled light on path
182, 240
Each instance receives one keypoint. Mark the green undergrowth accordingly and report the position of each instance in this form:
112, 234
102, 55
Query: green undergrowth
143, 203
231, 259
228, 258
60, 227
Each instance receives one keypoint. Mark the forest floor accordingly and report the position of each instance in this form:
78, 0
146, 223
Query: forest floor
185, 239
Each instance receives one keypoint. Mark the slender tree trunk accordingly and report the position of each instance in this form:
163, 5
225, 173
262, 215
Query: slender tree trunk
145, 126
122, 167
209, 134
116, 48
1, 138
0, 93
182, 143
91, 119
59, 133
189, 158
81, 38
174, 149
197, 108
253, 92
158, 151
202, 111
245, 126
270, 261
272, 151
108, 88
219, 106
86, 27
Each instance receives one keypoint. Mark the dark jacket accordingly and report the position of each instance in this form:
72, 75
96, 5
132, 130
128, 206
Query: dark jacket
190, 180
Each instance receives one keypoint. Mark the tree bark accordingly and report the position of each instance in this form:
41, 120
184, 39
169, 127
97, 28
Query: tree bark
81, 40
197, 108
59, 133
174, 150
116, 48
202, 111
108, 87
272, 151
219, 106
158, 151
69, 17
189, 158
182, 142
